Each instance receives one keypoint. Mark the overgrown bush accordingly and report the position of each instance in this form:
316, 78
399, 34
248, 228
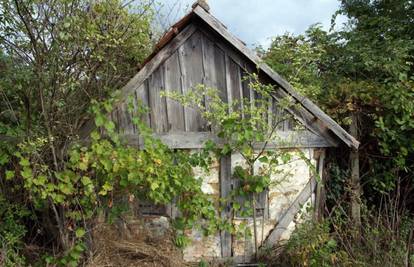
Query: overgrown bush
333, 243
12, 231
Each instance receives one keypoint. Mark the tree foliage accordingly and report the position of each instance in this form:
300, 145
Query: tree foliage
55, 58
364, 68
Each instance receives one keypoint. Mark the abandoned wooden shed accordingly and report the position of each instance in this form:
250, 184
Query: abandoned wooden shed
199, 49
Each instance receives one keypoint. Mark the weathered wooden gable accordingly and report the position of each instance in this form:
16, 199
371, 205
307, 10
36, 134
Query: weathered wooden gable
202, 58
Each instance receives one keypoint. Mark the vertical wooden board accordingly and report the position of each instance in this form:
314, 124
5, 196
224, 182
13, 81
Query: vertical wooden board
191, 64
285, 123
175, 110
245, 85
225, 190
220, 73
126, 126
113, 116
235, 83
262, 204
157, 104
209, 70
209, 67
228, 81
270, 115
247, 91
278, 115
142, 98
320, 194
120, 119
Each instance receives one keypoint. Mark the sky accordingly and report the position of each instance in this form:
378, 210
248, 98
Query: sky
256, 21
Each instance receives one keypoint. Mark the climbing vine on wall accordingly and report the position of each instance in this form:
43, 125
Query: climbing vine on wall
247, 128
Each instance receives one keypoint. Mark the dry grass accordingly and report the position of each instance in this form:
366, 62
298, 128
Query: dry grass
133, 246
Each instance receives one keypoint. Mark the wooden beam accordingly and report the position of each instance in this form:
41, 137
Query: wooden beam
306, 103
320, 189
355, 181
226, 213
196, 140
290, 213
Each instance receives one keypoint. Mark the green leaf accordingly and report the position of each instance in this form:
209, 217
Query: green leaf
86, 180
83, 166
9, 175
95, 135
24, 162
154, 186
105, 188
27, 173
80, 232
264, 159
110, 126
99, 120
66, 189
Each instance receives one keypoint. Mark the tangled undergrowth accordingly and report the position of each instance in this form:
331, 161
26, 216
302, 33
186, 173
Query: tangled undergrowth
335, 242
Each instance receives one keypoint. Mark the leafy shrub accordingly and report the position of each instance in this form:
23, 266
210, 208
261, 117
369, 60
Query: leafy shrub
12, 232
312, 244
333, 243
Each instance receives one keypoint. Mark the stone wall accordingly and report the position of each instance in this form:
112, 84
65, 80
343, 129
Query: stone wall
287, 186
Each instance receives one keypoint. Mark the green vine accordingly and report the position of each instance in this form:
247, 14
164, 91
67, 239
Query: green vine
246, 127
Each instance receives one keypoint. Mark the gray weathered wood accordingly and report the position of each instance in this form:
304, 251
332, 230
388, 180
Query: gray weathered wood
226, 213
235, 55
301, 114
234, 82
209, 68
145, 72
355, 180
220, 68
190, 57
142, 98
228, 81
195, 140
290, 213
320, 188
175, 110
311, 107
157, 104
305, 117
125, 118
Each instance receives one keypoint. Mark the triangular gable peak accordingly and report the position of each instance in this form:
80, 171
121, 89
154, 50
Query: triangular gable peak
199, 49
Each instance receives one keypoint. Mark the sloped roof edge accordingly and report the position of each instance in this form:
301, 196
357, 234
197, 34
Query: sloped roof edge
341, 133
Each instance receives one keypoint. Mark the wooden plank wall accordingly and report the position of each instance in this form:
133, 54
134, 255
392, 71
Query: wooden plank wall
200, 60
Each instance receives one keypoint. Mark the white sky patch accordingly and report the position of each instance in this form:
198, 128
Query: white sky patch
256, 22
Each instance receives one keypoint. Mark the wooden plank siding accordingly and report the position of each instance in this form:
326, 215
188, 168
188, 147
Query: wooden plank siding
200, 59
157, 104
191, 63
175, 110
